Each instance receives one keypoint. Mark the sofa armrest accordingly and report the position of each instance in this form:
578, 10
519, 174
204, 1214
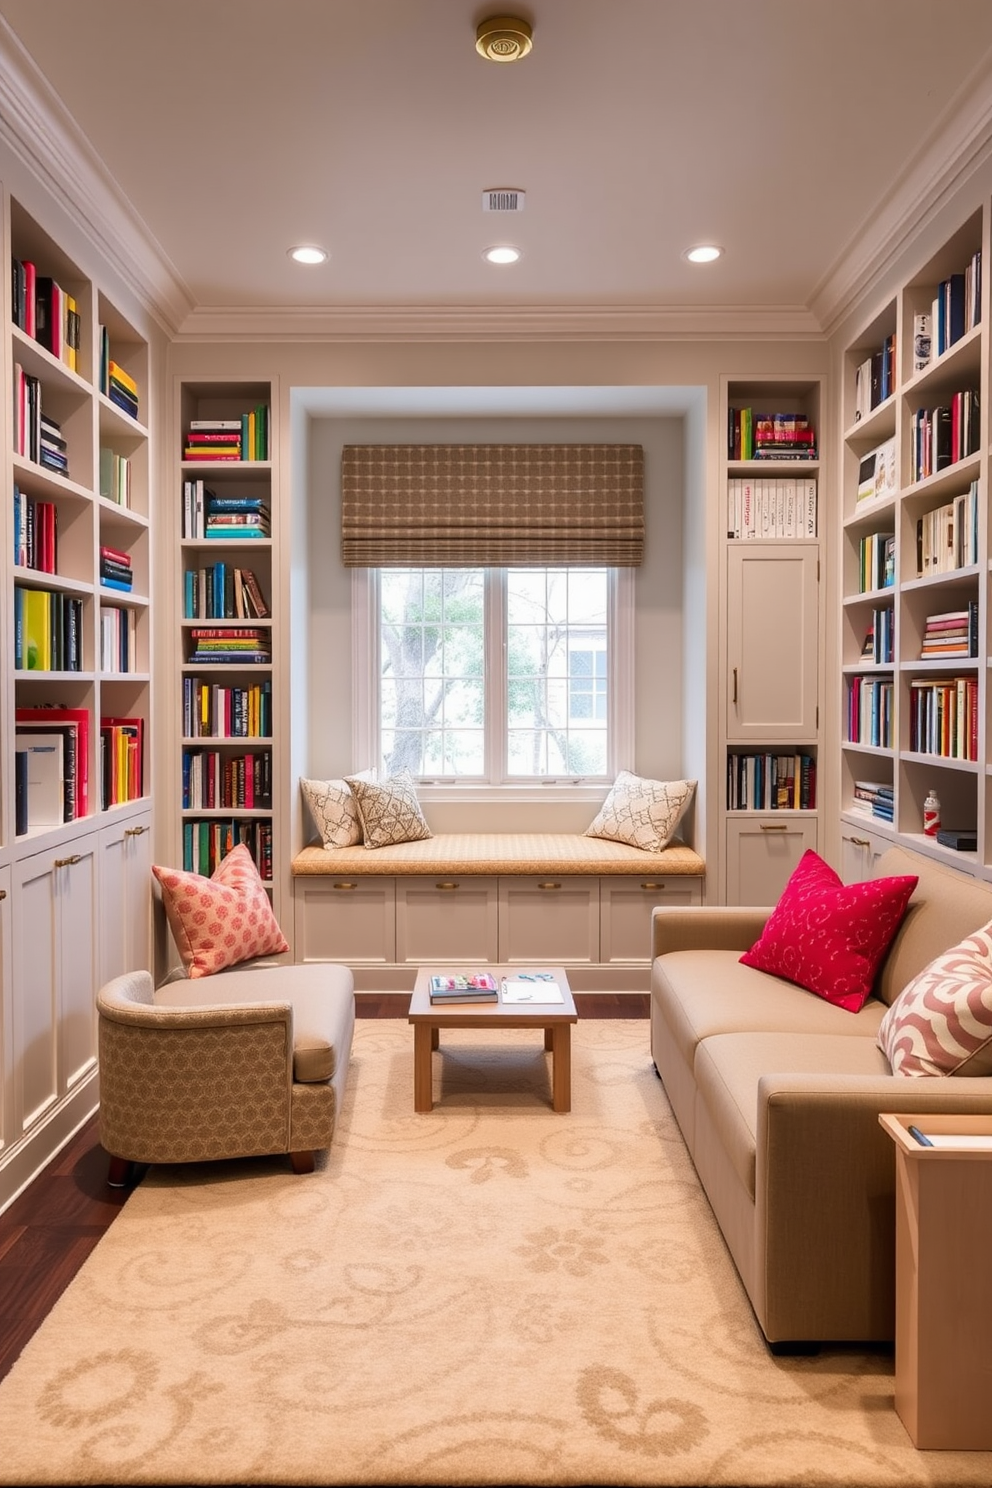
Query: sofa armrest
716, 927
825, 1194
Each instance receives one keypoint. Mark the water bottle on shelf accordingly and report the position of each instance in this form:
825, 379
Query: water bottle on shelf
931, 815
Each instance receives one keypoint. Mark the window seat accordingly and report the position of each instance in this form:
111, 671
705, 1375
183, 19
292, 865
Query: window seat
496, 898
500, 853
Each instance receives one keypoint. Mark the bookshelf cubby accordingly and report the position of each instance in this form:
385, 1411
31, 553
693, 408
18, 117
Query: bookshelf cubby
772, 623
224, 531
924, 702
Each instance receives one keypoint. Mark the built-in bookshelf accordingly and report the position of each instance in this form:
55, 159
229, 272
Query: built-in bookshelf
225, 707
76, 712
914, 642
771, 596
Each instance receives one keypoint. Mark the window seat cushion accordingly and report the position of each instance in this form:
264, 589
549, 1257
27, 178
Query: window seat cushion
500, 852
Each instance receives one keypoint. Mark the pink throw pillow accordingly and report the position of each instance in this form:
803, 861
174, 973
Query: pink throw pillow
828, 936
941, 1022
220, 920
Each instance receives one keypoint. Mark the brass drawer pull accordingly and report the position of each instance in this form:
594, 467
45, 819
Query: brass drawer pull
446, 886
658, 888
861, 841
734, 699
549, 886
67, 862
3, 894
346, 886
774, 826
134, 831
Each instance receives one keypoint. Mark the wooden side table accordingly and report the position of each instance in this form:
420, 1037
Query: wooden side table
943, 1375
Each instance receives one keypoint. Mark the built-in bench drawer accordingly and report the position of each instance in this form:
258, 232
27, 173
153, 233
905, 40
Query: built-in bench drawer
446, 917
548, 918
345, 918
625, 906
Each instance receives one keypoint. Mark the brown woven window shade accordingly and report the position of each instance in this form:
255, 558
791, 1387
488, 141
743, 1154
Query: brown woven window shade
492, 505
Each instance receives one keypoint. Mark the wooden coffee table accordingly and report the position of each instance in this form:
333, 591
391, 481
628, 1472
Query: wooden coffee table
556, 1018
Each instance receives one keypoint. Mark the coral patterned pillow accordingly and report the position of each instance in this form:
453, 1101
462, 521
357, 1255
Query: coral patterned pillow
941, 1022
828, 936
220, 920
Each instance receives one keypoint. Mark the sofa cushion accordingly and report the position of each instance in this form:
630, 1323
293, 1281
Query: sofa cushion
941, 1024
321, 995
220, 920
701, 993
730, 1066
945, 907
828, 936
642, 813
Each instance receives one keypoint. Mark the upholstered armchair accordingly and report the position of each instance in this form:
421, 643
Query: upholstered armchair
245, 1063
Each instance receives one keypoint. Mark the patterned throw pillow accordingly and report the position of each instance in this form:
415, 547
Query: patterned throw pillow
642, 813
334, 811
389, 810
828, 936
220, 920
941, 1022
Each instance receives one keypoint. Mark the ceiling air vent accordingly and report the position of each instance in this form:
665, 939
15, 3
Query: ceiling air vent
503, 199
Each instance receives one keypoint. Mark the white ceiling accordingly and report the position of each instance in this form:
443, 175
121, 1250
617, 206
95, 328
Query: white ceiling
786, 130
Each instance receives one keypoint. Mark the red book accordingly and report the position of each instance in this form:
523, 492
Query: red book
117, 555
55, 717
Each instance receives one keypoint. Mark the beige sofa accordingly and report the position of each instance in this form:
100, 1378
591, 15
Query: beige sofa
777, 1093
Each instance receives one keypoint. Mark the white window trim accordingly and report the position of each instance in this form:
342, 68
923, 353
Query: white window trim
365, 667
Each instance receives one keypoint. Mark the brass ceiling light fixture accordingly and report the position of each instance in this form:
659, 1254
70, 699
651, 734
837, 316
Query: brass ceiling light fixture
503, 38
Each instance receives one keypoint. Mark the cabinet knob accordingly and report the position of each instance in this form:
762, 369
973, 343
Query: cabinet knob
67, 862
345, 886
774, 826
446, 886
549, 886
134, 831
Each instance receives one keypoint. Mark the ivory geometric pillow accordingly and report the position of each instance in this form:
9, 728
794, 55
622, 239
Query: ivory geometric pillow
642, 813
220, 920
333, 809
941, 1022
389, 810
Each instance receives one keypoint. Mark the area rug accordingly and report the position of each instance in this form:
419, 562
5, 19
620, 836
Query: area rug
491, 1293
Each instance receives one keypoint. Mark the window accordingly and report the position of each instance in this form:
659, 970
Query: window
494, 676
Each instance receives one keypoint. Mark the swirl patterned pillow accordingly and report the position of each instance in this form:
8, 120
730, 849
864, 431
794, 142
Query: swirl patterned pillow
220, 920
333, 808
941, 1022
389, 810
642, 813
828, 936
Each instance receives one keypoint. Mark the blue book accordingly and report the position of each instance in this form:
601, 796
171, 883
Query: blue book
115, 584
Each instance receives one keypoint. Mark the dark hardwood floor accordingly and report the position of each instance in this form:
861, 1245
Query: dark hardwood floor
49, 1230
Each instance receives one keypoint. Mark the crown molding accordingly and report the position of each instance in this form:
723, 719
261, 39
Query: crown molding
958, 148
502, 323
40, 132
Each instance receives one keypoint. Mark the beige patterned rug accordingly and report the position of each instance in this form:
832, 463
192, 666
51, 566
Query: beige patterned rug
489, 1294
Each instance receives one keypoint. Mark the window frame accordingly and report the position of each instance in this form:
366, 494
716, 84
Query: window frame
366, 667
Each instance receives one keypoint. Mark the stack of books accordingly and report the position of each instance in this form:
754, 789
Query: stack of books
213, 439
769, 436
231, 645
478, 987
952, 633
52, 449
115, 569
235, 516
122, 390
874, 798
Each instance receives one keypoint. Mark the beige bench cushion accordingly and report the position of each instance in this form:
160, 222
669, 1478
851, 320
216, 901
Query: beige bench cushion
500, 852
322, 998
701, 993
730, 1065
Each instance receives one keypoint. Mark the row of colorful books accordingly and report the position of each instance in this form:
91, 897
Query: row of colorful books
942, 436
771, 782
221, 591
869, 711
52, 782
943, 716
116, 383
48, 630
215, 780
753, 435
878, 647
877, 561
208, 514
243, 438
207, 843
42, 309
118, 649
37, 436
230, 645
214, 710
35, 533
947, 537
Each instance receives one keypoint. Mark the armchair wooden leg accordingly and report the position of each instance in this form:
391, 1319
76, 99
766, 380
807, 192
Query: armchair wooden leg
303, 1162
120, 1173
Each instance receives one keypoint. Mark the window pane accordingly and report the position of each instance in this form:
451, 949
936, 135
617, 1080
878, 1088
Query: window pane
432, 709
557, 671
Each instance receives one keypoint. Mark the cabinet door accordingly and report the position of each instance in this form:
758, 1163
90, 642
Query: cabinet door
548, 919
125, 896
446, 919
761, 854
625, 906
6, 1013
77, 918
859, 852
772, 642
352, 920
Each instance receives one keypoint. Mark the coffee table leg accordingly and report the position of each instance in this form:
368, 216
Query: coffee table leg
561, 1065
424, 1037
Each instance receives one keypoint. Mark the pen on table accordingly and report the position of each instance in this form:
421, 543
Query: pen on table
921, 1137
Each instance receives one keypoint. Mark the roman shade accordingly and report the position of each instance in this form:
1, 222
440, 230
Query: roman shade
492, 505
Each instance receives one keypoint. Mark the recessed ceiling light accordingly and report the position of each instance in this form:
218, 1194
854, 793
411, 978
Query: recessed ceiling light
502, 254
308, 253
703, 253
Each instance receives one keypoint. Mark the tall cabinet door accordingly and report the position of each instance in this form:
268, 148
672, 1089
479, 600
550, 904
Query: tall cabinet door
125, 896
772, 642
